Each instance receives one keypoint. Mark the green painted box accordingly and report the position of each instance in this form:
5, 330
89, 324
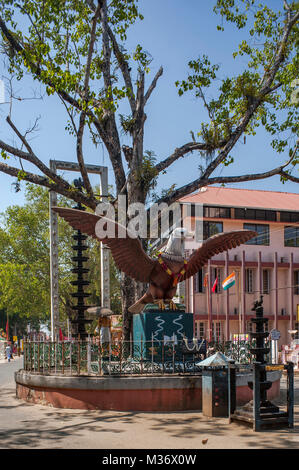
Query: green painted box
155, 332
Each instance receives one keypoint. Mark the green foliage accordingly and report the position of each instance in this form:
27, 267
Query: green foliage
147, 173
54, 38
25, 261
277, 110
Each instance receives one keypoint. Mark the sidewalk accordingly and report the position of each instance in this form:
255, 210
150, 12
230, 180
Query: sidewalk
5, 361
28, 426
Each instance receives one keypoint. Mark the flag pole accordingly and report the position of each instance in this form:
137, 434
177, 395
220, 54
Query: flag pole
7, 326
207, 284
217, 294
239, 300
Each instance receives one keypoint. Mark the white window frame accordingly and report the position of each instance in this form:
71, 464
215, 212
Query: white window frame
267, 289
249, 281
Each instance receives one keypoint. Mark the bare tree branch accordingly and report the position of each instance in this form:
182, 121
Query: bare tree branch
280, 56
111, 137
45, 182
80, 157
182, 151
104, 128
31, 157
125, 69
200, 182
153, 84
289, 177
253, 106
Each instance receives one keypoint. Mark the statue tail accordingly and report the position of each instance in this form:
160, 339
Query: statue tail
140, 304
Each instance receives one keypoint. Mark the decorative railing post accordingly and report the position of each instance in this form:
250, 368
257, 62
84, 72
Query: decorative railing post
79, 356
24, 355
141, 356
62, 355
30, 356
71, 357
290, 394
173, 353
38, 358
109, 353
99, 358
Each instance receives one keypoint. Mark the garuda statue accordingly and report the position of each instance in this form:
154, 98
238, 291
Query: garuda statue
163, 273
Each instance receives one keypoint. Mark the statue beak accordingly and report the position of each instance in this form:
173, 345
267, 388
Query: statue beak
189, 235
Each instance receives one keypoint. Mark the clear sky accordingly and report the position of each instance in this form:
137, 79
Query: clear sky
173, 32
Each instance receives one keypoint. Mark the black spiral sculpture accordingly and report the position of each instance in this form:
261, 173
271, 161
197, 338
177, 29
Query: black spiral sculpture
80, 282
260, 351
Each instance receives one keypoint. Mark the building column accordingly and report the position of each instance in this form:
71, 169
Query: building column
291, 283
260, 274
243, 298
187, 300
227, 329
209, 301
275, 292
192, 300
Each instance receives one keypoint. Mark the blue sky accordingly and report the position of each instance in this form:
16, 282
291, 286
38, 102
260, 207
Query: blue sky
174, 32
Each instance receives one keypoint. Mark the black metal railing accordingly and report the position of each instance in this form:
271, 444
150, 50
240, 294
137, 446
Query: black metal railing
78, 357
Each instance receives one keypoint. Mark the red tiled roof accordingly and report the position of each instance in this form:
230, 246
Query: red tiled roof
233, 197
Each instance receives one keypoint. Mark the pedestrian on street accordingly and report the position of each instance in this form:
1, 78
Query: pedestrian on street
8, 352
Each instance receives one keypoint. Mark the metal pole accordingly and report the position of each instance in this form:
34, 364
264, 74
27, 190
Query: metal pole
54, 261
105, 275
290, 394
105, 266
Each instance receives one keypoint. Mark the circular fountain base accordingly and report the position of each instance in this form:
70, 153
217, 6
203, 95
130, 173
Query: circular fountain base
126, 393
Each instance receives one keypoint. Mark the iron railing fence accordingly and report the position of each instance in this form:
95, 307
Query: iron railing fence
78, 357
120, 358
239, 350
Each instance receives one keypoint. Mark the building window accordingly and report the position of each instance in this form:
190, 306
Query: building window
291, 236
199, 329
217, 212
255, 214
296, 282
199, 284
263, 237
266, 281
211, 228
249, 281
289, 217
250, 327
216, 331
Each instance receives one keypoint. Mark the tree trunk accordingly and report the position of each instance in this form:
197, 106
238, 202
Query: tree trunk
128, 290
131, 290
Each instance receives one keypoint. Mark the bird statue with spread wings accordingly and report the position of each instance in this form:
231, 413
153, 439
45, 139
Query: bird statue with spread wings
162, 274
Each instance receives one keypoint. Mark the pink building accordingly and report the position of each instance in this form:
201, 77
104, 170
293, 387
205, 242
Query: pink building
267, 264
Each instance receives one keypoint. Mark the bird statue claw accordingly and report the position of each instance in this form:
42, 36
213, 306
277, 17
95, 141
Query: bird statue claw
161, 305
172, 305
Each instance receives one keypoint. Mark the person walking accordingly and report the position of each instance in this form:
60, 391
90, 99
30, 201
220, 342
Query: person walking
8, 352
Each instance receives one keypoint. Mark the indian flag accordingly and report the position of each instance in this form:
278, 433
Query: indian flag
229, 281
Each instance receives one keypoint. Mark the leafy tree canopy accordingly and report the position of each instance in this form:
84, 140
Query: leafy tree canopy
25, 262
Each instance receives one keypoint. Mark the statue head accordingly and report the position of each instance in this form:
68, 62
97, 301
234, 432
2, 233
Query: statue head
176, 243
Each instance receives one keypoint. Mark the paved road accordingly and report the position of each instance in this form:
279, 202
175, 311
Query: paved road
28, 426
7, 370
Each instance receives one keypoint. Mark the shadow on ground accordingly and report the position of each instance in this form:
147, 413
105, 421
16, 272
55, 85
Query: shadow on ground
30, 426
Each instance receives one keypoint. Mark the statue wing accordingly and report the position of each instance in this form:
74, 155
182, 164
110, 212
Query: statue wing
127, 252
214, 245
